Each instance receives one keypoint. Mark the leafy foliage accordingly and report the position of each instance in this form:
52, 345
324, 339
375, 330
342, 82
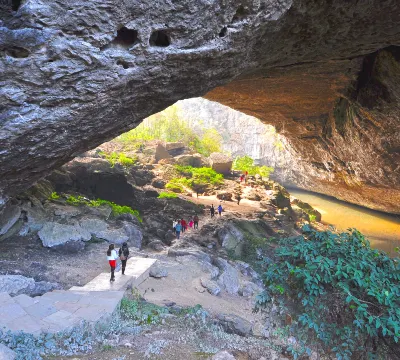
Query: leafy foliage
141, 312
54, 196
117, 210
203, 175
168, 126
167, 195
348, 294
118, 158
246, 163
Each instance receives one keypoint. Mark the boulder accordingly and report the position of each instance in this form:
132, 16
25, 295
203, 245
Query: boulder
161, 153
176, 148
135, 235
169, 237
158, 183
224, 195
280, 199
211, 286
18, 284
233, 324
254, 195
6, 353
8, 217
248, 289
65, 211
229, 277
158, 271
195, 160
231, 238
150, 192
101, 230
307, 208
221, 163
156, 245
52, 234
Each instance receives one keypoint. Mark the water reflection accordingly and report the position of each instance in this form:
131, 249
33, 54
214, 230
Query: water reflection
382, 230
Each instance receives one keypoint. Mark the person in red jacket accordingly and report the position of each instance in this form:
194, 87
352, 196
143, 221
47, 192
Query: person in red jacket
184, 225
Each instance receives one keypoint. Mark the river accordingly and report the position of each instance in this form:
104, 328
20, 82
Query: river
382, 230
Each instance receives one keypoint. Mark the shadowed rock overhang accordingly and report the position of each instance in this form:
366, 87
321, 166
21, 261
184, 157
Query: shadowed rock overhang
78, 73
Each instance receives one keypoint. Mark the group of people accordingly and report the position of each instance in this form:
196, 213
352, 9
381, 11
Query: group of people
180, 226
212, 210
112, 257
244, 176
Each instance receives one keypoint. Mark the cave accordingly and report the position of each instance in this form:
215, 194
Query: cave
159, 38
283, 68
126, 37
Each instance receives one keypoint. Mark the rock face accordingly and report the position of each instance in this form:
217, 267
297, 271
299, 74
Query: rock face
77, 74
221, 163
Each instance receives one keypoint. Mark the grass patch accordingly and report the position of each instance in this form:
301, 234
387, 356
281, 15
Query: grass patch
167, 195
54, 196
141, 312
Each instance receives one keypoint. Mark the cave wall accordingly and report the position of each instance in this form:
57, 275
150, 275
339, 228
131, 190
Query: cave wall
77, 73
342, 120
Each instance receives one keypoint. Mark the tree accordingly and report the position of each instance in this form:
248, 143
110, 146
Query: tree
246, 163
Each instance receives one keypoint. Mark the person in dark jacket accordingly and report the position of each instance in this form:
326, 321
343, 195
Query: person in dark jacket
123, 255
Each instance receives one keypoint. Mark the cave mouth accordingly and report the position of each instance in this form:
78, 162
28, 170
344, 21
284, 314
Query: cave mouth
159, 38
126, 37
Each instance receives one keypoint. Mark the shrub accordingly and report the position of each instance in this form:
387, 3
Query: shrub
116, 209
246, 163
141, 312
118, 158
54, 196
203, 175
167, 195
348, 295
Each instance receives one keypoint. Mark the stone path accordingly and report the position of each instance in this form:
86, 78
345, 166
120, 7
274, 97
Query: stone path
63, 309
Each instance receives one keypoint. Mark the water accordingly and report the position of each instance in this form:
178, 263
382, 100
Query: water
382, 230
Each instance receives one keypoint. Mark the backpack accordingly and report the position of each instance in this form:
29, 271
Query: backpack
124, 253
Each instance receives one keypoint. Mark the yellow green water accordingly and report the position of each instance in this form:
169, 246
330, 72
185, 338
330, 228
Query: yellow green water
382, 230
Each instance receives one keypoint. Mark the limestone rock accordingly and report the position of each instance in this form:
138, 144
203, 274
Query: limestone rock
8, 217
156, 245
307, 208
158, 183
229, 277
161, 153
135, 235
158, 271
53, 234
6, 353
221, 163
18, 284
211, 286
224, 195
233, 324
195, 160
169, 237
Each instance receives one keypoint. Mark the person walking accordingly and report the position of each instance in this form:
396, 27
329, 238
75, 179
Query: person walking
190, 223
238, 199
220, 209
195, 222
112, 260
212, 210
178, 229
184, 225
174, 222
123, 255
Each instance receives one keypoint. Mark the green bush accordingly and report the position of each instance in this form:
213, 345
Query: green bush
167, 195
203, 175
176, 185
246, 163
141, 312
54, 196
118, 158
347, 294
116, 209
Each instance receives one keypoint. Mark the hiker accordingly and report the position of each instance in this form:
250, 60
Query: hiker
212, 210
241, 178
112, 260
174, 222
219, 209
184, 225
178, 229
190, 222
123, 255
239, 198
196, 222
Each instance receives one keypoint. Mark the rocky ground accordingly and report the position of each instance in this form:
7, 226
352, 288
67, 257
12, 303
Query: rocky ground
61, 244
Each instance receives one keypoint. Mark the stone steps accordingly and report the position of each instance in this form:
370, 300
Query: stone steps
60, 310
56, 311
136, 272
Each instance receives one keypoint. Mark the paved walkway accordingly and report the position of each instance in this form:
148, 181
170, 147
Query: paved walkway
63, 309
